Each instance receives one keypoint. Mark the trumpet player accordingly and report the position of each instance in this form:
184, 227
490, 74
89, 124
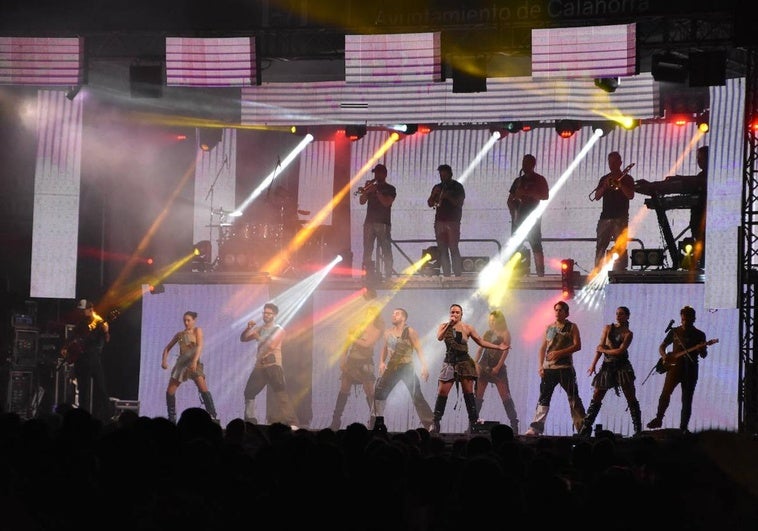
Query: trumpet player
615, 189
447, 199
378, 195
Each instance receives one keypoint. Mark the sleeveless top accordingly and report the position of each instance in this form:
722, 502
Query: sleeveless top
559, 337
615, 338
456, 347
268, 356
400, 348
490, 357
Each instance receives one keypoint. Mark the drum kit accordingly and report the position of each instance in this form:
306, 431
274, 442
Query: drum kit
246, 244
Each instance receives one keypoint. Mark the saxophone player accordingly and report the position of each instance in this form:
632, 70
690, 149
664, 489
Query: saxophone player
616, 189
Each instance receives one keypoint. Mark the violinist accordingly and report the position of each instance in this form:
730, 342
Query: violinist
378, 195
447, 199
616, 189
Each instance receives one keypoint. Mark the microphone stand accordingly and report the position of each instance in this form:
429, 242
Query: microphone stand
210, 193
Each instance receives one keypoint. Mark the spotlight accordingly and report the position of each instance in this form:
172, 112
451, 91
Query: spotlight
567, 278
687, 252
355, 132
209, 138
604, 128
567, 128
157, 288
201, 259
608, 84
431, 267
702, 122
406, 129
629, 123
500, 132
514, 127
644, 258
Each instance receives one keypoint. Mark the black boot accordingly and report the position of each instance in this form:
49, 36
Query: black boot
439, 410
510, 410
339, 407
473, 417
171, 407
479, 404
634, 411
589, 418
207, 400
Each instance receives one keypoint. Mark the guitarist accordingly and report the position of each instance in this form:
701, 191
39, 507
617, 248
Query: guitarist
682, 370
91, 333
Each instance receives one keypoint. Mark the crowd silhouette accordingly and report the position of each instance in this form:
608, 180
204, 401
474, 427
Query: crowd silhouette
69, 470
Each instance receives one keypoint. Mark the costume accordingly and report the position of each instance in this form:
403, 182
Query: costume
400, 367
457, 366
525, 205
613, 221
90, 333
487, 361
555, 372
181, 372
683, 371
377, 227
358, 370
268, 370
447, 227
616, 371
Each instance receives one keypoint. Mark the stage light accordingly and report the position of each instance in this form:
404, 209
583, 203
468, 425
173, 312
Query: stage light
567, 278
424, 129
474, 264
514, 127
355, 132
629, 123
605, 128
644, 258
702, 122
608, 84
157, 288
208, 138
567, 128
431, 267
406, 129
72, 92
680, 119
500, 132
201, 259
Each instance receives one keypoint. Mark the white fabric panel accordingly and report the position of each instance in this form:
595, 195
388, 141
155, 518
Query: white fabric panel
210, 62
215, 185
588, 51
395, 58
57, 177
514, 98
41, 61
724, 208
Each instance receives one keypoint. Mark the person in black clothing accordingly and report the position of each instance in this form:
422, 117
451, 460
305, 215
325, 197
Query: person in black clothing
525, 194
697, 184
616, 371
447, 198
85, 349
689, 345
615, 189
379, 195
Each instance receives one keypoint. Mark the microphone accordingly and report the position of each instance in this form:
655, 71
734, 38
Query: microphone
670, 326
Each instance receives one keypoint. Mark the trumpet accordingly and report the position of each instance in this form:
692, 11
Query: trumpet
367, 188
612, 183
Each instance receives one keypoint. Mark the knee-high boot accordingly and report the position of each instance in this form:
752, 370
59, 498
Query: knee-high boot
439, 410
250, 411
339, 407
479, 403
634, 411
473, 417
207, 399
510, 410
171, 407
589, 418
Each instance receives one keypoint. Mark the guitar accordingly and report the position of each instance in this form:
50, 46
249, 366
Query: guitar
665, 363
71, 351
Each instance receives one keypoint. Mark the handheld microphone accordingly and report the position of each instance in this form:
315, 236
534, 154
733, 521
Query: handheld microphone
670, 326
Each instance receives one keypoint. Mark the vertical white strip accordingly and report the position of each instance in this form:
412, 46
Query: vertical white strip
56, 196
316, 186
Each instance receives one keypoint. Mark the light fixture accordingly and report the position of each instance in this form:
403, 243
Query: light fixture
644, 258
604, 128
499, 131
702, 122
355, 132
208, 138
608, 84
514, 127
687, 252
566, 128
157, 288
406, 129
671, 67
72, 92
474, 264
567, 278
201, 256
431, 267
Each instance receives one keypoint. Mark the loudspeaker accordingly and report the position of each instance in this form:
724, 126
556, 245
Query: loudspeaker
708, 68
21, 393
25, 346
146, 81
473, 79
474, 264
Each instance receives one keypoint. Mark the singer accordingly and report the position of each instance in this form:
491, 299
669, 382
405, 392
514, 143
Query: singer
616, 189
525, 194
459, 366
